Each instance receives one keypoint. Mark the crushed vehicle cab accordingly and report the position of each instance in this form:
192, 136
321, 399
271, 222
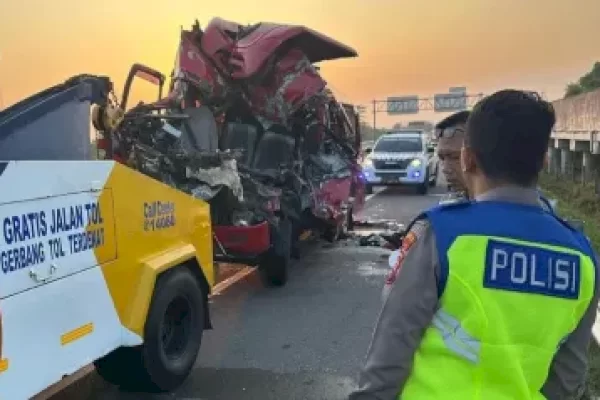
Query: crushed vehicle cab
249, 125
402, 157
100, 263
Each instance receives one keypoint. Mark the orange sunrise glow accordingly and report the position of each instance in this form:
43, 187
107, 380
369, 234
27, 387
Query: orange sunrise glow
406, 47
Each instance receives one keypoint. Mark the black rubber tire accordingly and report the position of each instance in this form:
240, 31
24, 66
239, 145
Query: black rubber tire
350, 221
295, 251
274, 266
368, 189
332, 233
148, 367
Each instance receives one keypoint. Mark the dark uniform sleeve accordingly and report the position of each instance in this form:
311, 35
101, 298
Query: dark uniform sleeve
569, 366
406, 314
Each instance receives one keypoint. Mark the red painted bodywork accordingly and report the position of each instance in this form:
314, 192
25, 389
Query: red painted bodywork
249, 53
252, 240
272, 66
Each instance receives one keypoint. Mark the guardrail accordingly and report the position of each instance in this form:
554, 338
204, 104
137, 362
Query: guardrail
577, 140
587, 141
575, 154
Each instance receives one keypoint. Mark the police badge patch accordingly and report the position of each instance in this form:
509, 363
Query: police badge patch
408, 241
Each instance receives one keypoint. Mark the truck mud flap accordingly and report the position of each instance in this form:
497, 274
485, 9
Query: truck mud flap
246, 241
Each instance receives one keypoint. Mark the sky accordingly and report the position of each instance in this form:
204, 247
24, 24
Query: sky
416, 47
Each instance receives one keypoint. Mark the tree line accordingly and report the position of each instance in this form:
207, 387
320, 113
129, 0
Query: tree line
588, 82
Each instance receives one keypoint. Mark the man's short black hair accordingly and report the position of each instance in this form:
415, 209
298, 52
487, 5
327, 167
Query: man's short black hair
509, 132
453, 120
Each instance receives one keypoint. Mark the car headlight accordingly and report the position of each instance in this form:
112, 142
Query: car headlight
416, 163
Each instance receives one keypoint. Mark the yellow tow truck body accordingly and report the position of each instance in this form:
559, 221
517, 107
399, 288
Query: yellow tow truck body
84, 247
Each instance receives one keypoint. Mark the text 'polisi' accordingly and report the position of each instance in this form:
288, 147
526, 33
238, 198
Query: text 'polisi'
531, 269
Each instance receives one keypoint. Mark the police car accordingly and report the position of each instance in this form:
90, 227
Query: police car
402, 157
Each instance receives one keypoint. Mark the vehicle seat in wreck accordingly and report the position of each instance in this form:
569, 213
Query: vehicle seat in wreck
274, 149
240, 136
200, 130
312, 140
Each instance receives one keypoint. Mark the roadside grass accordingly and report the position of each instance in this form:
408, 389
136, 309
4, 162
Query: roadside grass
579, 201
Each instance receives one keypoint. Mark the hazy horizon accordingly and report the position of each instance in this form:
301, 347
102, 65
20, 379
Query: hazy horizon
406, 48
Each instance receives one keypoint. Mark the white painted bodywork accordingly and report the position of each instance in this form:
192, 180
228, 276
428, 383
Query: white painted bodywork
41, 303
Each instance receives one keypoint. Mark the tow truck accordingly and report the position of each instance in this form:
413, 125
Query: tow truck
99, 262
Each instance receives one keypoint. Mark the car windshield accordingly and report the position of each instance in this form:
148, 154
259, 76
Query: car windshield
399, 145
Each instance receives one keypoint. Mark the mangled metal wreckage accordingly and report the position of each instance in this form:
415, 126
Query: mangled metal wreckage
248, 125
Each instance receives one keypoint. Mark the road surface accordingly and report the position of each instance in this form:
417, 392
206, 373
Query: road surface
305, 341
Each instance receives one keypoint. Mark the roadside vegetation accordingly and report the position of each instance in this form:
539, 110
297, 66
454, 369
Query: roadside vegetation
588, 82
579, 201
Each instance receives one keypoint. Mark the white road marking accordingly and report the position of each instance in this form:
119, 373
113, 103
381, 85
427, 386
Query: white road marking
596, 328
223, 285
369, 197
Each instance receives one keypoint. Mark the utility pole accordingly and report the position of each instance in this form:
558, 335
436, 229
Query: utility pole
361, 110
374, 113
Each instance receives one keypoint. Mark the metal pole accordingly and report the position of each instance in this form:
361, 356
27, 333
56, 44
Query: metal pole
374, 117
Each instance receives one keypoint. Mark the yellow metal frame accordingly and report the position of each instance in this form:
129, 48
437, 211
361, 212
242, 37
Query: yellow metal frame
142, 255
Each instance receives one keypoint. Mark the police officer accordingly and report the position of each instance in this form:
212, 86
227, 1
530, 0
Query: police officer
450, 134
496, 298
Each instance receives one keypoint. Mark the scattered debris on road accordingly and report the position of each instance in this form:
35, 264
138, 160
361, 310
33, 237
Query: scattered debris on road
375, 233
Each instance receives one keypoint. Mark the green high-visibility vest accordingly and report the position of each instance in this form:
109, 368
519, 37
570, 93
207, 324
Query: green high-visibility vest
516, 281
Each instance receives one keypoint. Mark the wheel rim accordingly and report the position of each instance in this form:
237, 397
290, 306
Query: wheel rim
175, 328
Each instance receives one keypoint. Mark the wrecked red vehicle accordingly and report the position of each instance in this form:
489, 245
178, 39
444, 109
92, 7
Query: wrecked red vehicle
249, 116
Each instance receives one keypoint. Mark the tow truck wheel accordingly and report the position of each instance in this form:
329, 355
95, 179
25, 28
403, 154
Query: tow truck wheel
350, 220
172, 338
297, 230
274, 266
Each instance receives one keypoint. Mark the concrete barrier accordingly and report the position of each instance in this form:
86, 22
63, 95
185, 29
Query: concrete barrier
578, 113
575, 143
